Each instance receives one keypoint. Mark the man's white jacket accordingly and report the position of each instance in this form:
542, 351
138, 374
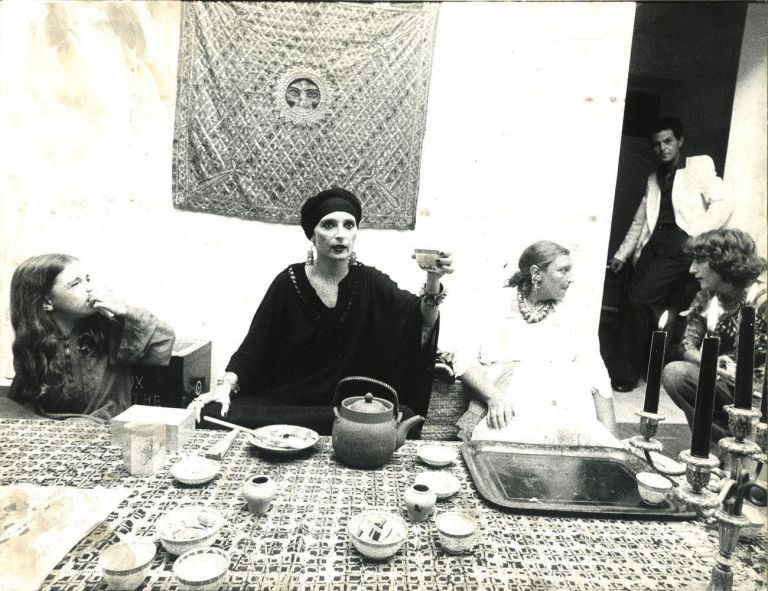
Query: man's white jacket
698, 199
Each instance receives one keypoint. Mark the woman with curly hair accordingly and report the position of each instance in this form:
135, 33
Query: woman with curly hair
726, 265
74, 345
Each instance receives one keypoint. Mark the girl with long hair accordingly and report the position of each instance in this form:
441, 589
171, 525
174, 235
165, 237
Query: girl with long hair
74, 345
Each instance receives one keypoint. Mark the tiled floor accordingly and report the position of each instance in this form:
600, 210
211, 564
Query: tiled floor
626, 403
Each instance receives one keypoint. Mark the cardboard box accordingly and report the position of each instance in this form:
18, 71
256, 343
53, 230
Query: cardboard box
179, 424
187, 375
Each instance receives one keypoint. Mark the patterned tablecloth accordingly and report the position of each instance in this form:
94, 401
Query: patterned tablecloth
301, 543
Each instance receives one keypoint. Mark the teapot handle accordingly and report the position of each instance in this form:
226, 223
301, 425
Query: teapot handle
383, 387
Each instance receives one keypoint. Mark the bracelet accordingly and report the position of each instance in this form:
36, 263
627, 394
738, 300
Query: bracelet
232, 382
433, 299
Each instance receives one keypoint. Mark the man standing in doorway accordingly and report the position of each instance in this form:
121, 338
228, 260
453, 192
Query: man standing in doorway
683, 197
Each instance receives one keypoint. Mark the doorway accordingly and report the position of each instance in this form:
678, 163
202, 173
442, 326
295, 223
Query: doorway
683, 63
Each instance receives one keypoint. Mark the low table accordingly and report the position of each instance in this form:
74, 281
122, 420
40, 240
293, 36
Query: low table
301, 543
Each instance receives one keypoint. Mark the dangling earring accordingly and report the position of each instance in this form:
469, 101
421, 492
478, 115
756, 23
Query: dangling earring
310, 256
353, 258
47, 307
536, 284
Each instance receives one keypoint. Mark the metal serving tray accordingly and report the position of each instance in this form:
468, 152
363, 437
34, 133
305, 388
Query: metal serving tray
562, 479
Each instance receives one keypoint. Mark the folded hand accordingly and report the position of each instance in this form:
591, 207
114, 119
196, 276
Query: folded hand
106, 304
726, 369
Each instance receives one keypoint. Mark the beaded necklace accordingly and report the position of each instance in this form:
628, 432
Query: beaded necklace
531, 315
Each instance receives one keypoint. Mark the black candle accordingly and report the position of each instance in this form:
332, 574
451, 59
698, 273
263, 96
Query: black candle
655, 365
745, 360
701, 435
764, 401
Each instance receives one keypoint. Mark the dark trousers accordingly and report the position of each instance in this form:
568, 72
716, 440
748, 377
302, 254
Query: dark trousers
680, 380
660, 281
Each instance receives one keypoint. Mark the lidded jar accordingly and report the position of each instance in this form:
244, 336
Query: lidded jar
419, 501
259, 492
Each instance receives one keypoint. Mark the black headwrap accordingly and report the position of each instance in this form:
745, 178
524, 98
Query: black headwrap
335, 199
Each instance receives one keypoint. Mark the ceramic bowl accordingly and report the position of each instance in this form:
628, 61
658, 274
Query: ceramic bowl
189, 528
126, 564
437, 455
194, 470
444, 484
457, 531
653, 488
377, 534
201, 570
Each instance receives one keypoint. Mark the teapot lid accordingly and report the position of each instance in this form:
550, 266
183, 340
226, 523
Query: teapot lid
368, 404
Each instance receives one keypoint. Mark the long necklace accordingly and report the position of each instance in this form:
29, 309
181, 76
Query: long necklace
533, 315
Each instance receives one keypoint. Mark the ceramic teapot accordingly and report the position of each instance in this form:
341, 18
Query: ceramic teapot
367, 429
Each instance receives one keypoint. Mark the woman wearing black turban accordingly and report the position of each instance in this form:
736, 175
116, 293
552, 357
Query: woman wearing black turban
326, 319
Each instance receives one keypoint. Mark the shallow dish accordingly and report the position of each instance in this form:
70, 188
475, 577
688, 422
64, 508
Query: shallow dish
189, 528
377, 534
437, 455
457, 531
195, 470
444, 484
201, 570
653, 488
667, 465
126, 564
283, 439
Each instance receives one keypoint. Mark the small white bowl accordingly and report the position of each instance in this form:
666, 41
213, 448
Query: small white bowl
437, 455
201, 570
653, 488
194, 470
444, 484
126, 564
457, 531
189, 528
377, 534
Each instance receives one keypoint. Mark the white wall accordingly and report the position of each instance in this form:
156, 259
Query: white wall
745, 168
523, 130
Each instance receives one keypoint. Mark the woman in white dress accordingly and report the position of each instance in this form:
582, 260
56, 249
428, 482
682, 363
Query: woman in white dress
541, 379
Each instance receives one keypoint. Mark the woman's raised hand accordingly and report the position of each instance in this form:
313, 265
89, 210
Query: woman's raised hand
106, 304
500, 412
435, 262
443, 264
726, 369
221, 395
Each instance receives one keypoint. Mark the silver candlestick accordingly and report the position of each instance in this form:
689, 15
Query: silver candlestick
698, 472
649, 424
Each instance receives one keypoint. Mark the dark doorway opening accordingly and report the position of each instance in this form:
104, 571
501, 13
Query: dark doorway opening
683, 63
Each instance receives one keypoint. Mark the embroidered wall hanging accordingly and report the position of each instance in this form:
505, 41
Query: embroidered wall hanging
277, 101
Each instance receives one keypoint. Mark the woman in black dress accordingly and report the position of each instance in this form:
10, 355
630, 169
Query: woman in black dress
326, 319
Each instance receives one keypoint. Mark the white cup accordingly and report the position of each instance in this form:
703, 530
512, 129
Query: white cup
427, 258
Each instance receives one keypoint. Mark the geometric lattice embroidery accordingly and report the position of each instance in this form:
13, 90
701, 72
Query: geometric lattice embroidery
277, 101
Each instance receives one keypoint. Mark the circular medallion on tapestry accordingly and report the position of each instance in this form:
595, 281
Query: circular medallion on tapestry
302, 96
